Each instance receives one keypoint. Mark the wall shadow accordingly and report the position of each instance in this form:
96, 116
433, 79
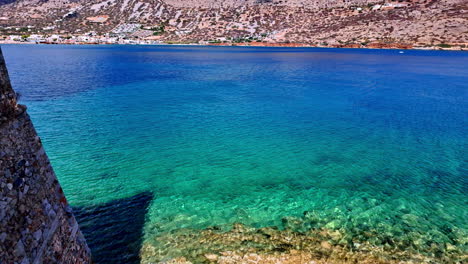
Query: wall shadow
114, 231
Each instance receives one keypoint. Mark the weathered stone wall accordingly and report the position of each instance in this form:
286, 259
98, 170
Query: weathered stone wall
36, 223
7, 95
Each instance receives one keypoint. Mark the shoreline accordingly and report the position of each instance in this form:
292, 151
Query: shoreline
371, 46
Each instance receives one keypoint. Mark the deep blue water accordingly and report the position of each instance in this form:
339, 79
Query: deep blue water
168, 137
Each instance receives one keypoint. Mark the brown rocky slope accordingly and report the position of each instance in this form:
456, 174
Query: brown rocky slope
346, 23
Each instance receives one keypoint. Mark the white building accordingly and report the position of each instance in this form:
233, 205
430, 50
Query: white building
126, 28
48, 28
14, 38
54, 38
36, 38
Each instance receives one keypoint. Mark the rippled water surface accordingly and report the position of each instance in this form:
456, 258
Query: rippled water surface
147, 140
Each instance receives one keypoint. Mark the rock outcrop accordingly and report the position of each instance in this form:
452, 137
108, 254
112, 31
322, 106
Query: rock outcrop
8, 106
36, 223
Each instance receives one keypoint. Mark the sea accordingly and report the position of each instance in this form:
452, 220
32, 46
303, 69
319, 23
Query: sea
162, 149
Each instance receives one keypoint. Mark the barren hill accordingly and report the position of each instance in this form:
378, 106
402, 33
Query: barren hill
315, 22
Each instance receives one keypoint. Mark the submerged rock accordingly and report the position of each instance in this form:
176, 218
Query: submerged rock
243, 244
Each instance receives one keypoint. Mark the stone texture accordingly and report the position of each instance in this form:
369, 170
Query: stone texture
8, 106
249, 245
35, 226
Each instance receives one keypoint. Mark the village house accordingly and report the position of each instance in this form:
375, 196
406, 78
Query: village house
36, 38
86, 38
54, 38
14, 38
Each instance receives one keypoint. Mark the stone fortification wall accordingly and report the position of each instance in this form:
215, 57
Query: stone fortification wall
36, 223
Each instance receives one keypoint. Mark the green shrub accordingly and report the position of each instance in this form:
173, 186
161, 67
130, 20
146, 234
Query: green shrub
444, 45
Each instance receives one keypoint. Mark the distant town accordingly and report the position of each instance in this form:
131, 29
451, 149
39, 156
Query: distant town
93, 38
123, 34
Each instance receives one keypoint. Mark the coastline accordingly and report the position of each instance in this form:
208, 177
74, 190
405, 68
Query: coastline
383, 46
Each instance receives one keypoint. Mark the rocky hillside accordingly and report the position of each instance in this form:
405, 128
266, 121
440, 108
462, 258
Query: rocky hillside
314, 22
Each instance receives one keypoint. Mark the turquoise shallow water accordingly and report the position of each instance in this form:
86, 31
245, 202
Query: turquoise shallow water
210, 136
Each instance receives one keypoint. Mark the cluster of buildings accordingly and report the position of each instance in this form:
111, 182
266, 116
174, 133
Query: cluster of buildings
126, 33
71, 39
122, 34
